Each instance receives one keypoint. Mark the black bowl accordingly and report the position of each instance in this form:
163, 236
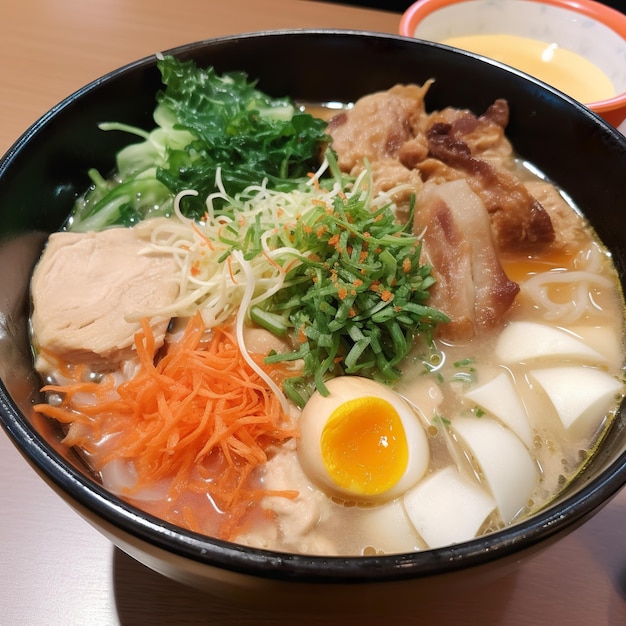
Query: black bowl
45, 170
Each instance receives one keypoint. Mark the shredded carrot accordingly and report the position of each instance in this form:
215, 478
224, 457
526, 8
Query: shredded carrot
202, 235
272, 262
197, 416
229, 262
316, 182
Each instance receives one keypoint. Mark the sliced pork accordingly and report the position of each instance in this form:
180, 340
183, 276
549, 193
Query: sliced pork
472, 288
111, 280
518, 220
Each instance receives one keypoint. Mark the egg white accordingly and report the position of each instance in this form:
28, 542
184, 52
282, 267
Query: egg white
315, 416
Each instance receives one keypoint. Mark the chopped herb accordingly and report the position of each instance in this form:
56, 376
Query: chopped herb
357, 300
468, 377
440, 419
467, 373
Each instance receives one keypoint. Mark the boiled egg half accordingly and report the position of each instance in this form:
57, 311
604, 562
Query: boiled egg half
362, 442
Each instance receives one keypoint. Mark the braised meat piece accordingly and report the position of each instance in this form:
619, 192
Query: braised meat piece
378, 126
518, 220
472, 288
459, 170
393, 128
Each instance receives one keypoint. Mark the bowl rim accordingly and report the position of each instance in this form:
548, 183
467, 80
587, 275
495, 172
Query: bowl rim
545, 525
609, 17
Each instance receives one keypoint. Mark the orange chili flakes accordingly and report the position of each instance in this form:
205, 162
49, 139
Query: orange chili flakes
406, 265
334, 240
301, 334
386, 295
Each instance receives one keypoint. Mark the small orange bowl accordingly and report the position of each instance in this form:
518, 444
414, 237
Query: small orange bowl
586, 28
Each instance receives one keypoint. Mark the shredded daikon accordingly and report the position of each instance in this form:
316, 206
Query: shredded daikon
257, 224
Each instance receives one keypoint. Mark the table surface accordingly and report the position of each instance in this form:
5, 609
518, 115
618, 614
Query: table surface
54, 567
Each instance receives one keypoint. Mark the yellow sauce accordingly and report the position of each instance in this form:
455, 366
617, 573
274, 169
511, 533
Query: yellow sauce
567, 71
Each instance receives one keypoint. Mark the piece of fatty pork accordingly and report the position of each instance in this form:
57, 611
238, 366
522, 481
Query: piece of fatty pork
472, 287
89, 291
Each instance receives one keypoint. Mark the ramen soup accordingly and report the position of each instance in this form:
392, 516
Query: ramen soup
418, 343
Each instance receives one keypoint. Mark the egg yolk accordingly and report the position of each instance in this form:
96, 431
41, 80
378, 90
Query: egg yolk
364, 446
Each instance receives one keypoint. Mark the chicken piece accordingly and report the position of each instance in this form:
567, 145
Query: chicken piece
472, 288
84, 287
378, 126
261, 341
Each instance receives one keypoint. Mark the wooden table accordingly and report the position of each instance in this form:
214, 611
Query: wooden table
54, 568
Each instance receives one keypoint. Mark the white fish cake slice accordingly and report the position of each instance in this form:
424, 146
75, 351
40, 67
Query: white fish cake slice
434, 507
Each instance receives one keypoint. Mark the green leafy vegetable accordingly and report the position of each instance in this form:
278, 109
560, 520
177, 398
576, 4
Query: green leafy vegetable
205, 123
